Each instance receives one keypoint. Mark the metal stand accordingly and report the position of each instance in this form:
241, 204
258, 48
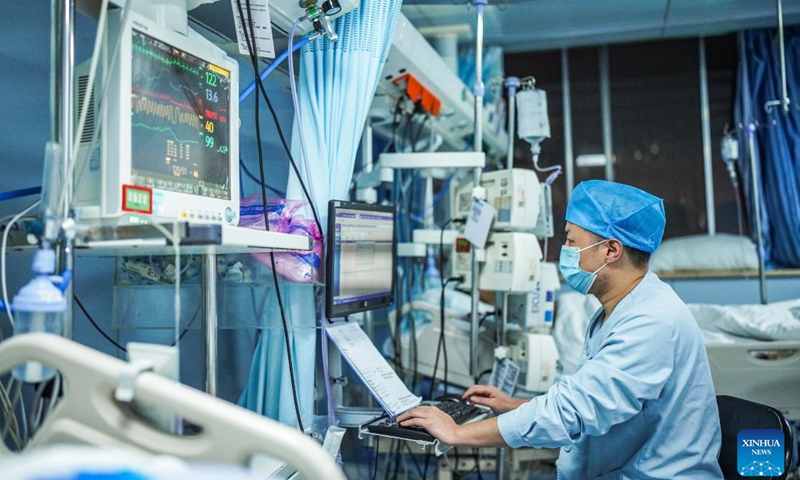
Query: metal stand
755, 177
705, 115
569, 158
476, 179
63, 101
605, 103
209, 288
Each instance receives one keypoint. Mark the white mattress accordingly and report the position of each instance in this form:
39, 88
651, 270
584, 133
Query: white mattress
736, 323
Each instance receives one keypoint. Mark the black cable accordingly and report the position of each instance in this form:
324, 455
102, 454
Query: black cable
250, 40
288, 152
441, 321
427, 459
414, 344
389, 459
95, 325
397, 336
478, 378
408, 128
392, 449
414, 460
252, 177
420, 129
395, 124
487, 315
442, 345
188, 325
397, 460
442, 336
477, 454
260, 85
375, 467
105, 335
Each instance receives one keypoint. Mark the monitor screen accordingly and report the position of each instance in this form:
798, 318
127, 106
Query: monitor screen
360, 257
168, 127
180, 129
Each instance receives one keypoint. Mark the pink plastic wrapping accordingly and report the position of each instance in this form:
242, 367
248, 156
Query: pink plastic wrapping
283, 218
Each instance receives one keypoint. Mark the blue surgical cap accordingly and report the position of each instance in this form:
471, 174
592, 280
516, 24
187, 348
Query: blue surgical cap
615, 210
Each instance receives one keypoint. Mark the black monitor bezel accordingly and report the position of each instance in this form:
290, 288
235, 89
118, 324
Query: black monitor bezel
338, 311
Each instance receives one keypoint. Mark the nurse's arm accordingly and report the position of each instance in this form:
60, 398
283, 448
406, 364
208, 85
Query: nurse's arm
483, 433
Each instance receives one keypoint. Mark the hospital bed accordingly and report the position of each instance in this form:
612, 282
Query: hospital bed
91, 413
720, 269
753, 350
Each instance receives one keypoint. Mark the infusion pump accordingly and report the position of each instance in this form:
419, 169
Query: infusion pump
511, 262
515, 195
537, 356
534, 311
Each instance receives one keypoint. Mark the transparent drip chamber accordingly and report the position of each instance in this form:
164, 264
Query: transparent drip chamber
38, 308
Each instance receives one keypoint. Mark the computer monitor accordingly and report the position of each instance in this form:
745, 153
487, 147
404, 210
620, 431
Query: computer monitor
360, 257
169, 141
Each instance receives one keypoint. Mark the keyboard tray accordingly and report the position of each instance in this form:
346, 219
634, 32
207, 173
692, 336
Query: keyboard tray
384, 426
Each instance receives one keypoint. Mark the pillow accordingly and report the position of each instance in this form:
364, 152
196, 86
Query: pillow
705, 252
774, 322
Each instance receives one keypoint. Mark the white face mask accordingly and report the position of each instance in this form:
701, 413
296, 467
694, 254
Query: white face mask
569, 265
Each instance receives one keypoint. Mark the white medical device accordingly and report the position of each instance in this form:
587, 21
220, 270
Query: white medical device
515, 195
511, 262
169, 138
537, 356
534, 311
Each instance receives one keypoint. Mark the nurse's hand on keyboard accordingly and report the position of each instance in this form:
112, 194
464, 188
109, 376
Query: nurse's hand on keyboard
435, 421
491, 397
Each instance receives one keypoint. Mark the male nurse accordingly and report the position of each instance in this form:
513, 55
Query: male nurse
642, 404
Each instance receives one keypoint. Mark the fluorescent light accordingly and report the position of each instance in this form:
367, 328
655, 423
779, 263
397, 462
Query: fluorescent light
591, 160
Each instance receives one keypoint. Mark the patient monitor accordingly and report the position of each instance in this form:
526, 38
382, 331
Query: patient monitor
168, 144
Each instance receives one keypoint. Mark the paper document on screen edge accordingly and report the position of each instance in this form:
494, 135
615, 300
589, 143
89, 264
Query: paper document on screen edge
373, 369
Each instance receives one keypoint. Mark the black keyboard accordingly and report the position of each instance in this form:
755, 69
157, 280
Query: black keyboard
459, 412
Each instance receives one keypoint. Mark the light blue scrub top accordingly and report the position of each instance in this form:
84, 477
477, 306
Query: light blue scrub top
641, 405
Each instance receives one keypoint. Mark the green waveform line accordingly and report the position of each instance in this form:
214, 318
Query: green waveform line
139, 48
162, 130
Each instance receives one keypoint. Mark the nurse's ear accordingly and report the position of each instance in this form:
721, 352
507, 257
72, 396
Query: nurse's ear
614, 250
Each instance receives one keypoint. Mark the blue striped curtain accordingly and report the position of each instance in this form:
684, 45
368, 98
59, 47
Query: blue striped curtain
336, 86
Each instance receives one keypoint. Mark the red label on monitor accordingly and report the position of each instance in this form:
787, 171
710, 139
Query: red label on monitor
137, 199
462, 245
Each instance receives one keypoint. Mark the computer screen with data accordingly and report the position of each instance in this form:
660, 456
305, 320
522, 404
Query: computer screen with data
360, 257
180, 135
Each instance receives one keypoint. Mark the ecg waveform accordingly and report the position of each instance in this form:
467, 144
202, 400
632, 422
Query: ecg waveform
162, 96
144, 50
147, 106
180, 129
163, 130
175, 86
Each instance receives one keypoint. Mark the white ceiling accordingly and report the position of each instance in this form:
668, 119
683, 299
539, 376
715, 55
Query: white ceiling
526, 25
